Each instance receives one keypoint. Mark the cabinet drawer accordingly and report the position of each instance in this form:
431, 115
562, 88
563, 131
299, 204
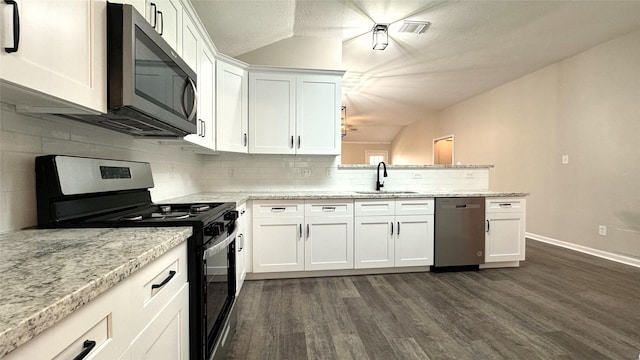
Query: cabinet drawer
328, 208
415, 206
104, 321
504, 205
373, 207
277, 208
155, 284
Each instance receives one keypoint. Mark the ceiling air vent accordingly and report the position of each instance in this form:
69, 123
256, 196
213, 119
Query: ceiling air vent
414, 27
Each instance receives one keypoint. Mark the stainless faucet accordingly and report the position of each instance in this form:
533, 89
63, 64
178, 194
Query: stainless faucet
378, 183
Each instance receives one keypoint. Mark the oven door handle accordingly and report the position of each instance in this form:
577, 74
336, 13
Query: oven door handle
220, 245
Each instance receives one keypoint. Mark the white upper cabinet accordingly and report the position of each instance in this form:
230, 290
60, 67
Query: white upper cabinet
166, 17
294, 113
59, 65
232, 125
318, 114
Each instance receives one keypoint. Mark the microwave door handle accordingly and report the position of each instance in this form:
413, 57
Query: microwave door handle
191, 115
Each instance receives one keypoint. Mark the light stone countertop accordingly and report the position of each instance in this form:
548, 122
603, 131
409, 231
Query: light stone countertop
241, 197
48, 274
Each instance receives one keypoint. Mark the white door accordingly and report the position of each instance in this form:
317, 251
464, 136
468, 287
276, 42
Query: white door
61, 52
505, 237
231, 108
167, 20
374, 242
272, 125
167, 336
414, 240
277, 244
328, 243
318, 114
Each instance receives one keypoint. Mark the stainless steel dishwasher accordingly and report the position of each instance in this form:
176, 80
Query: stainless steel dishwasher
459, 233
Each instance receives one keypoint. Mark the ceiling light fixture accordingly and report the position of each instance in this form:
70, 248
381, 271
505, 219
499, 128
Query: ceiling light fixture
414, 27
380, 36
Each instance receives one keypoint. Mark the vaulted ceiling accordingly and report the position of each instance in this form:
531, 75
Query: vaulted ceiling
470, 47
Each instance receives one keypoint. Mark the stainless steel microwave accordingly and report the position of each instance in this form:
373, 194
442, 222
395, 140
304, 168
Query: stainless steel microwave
151, 91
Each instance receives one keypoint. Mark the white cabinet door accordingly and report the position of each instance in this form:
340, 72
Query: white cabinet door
205, 135
190, 44
318, 114
61, 53
414, 240
505, 237
232, 125
167, 335
328, 242
272, 122
166, 17
241, 253
277, 244
374, 242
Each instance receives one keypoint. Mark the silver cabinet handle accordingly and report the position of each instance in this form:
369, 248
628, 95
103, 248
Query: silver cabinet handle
245, 139
328, 208
204, 129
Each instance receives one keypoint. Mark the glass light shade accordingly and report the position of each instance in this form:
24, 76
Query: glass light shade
380, 37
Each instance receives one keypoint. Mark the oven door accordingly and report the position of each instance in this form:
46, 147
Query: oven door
219, 289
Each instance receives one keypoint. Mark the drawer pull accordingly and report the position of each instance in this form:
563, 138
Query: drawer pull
16, 27
87, 346
165, 281
505, 205
328, 208
278, 209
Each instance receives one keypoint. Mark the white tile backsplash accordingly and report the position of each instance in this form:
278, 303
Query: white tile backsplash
177, 172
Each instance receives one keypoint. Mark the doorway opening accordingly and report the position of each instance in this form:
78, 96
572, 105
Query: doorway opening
443, 150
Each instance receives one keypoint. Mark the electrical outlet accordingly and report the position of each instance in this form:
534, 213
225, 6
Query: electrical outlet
232, 172
306, 172
469, 175
329, 172
602, 230
417, 175
565, 159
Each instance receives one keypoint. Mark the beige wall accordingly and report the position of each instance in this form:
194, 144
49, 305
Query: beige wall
353, 153
299, 51
414, 144
587, 107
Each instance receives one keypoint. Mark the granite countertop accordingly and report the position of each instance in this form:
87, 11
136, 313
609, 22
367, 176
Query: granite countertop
48, 274
241, 197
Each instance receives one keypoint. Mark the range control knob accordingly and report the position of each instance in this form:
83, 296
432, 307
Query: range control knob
231, 215
214, 229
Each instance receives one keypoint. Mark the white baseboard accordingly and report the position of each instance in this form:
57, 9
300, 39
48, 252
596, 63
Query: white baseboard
627, 260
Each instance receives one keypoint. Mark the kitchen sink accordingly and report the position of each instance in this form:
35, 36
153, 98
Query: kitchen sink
385, 192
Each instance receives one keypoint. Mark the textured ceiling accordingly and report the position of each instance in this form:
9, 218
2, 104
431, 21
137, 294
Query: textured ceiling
471, 46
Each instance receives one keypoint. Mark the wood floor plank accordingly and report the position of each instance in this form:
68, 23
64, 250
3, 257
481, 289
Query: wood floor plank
559, 304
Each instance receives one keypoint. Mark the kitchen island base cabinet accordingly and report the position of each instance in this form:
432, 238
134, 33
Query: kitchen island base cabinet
505, 230
125, 322
167, 335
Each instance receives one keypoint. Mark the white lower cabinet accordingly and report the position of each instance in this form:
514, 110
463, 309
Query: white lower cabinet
393, 233
505, 230
285, 238
241, 246
167, 335
132, 320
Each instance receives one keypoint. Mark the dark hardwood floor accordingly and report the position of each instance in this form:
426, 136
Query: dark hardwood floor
559, 304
